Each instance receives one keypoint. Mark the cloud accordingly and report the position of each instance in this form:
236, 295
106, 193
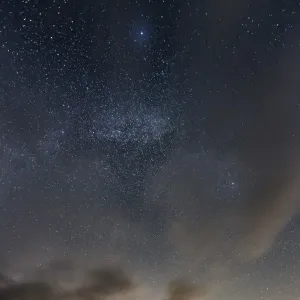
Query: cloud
265, 216
4, 281
106, 282
27, 291
216, 235
182, 290
100, 283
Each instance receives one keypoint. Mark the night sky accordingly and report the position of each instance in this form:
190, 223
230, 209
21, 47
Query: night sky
159, 138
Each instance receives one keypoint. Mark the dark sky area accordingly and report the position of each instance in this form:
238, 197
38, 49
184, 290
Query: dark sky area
160, 137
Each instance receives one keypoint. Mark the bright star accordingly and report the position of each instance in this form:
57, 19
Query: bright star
142, 32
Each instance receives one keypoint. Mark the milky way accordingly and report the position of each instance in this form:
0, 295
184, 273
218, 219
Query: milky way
136, 125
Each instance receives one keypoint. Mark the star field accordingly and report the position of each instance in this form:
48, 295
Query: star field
161, 136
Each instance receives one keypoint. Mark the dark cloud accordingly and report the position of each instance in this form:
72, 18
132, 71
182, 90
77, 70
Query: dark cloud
106, 282
27, 291
4, 281
183, 290
274, 205
100, 283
